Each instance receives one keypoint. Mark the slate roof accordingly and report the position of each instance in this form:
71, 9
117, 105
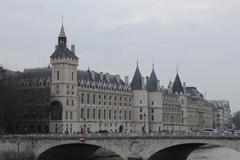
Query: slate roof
136, 83
152, 85
63, 52
29, 75
96, 77
177, 85
194, 92
44, 74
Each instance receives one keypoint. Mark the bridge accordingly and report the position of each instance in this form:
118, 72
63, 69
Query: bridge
128, 146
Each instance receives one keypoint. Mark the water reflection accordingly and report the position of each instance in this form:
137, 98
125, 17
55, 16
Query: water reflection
214, 153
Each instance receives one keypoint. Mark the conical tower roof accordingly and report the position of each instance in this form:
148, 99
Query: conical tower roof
177, 85
152, 83
136, 83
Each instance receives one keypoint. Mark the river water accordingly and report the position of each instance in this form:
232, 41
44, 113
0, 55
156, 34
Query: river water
215, 153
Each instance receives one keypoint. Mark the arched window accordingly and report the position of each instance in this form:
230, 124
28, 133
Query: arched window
56, 110
58, 75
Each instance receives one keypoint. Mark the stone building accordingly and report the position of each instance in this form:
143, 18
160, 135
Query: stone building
62, 99
221, 114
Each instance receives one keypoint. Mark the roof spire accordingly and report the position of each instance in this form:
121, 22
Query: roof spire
137, 62
62, 32
177, 66
152, 66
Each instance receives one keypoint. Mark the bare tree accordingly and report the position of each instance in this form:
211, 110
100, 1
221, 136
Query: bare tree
236, 119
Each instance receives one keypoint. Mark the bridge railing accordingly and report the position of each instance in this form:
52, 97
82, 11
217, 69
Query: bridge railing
132, 134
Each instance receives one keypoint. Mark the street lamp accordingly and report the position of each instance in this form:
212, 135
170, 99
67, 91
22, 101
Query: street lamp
172, 123
144, 118
18, 145
126, 125
100, 125
84, 125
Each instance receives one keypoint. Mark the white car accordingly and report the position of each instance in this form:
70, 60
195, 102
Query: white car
209, 130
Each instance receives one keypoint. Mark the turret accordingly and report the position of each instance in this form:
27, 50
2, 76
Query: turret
63, 87
154, 102
140, 103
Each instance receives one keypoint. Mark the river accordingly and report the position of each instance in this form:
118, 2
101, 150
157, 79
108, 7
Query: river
215, 153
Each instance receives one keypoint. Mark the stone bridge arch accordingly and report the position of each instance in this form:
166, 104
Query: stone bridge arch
45, 145
163, 144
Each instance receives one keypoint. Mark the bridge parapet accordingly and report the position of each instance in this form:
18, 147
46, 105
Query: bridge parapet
127, 145
160, 135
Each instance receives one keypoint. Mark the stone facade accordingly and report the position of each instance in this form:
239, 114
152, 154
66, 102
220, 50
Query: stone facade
63, 99
221, 114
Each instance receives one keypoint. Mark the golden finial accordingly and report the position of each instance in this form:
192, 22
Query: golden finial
62, 32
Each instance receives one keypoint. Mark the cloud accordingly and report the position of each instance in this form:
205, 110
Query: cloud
203, 35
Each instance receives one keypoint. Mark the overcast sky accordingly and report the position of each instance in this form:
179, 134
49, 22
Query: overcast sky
203, 36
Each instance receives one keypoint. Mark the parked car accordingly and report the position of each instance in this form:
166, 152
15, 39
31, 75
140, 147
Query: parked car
209, 130
221, 131
237, 131
103, 131
229, 131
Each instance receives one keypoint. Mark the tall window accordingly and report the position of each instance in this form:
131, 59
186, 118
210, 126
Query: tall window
93, 113
67, 102
72, 102
66, 115
82, 98
88, 111
58, 75
125, 115
82, 113
71, 114
120, 114
99, 113
110, 115
104, 114
115, 112
130, 116
88, 98
72, 76
94, 97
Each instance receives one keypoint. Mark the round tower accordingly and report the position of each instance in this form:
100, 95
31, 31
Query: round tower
63, 87
140, 103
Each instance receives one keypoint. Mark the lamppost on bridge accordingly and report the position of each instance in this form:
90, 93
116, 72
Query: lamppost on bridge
172, 129
84, 125
144, 126
18, 148
100, 124
126, 125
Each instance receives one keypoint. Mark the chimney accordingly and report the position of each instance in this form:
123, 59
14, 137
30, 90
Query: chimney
147, 79
118, 78
158, 83
184, 87
92, 75
73, 49
143, 82
107, 77
101, 76
126, 80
